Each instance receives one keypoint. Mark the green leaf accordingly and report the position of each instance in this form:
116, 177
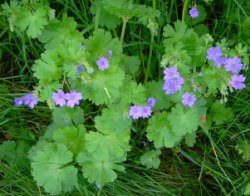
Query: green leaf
106, 19
220, 113
154, 89
72, 137
243, 148
131, 64
52, 169
98, 46
113, 120
46, 92
32, 21
183, 120
36, 148
247, 189
65, 116
108, 146
102, 89
151, 159
131, 92
58, 32
46, 69
99, 171
123, 8
190, 139
15, 154
215, 78
160, 132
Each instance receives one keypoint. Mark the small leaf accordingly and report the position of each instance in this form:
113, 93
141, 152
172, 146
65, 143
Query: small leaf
160, 131
220, 113
190, 139
183, 120
151, 159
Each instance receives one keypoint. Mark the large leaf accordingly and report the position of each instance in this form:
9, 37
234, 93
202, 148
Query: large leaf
32, 21
52, 169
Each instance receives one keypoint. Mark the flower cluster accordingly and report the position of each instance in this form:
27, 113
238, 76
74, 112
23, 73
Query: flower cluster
173, 80
194, 12
232, 65
103, 62
69, 99
137, 111
28, 100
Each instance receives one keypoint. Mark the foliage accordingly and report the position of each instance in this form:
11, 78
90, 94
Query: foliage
98, 138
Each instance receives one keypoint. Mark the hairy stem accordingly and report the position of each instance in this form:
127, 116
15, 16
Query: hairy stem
184, 10
150, 49
125, 20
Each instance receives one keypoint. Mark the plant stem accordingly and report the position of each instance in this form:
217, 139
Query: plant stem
150, 49
125, 20
149, 57
97, 17
184, 9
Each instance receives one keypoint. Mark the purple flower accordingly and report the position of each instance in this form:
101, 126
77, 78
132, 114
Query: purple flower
30, 100
59, 98
173, 85
110, 53
151, 102
83, 46
73, 98
218, 62
188, 99
213, 53
146, 111
173, 80
237, 82
102, 63
234, 65
194, 12
18, 101
135, 112
170, 73
79, 68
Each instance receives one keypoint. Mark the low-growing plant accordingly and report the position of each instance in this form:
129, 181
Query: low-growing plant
100, 97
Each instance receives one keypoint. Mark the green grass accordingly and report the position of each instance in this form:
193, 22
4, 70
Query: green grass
212, 167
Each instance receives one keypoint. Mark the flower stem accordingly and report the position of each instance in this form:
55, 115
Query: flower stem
150, 49
125, 20
184, 10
